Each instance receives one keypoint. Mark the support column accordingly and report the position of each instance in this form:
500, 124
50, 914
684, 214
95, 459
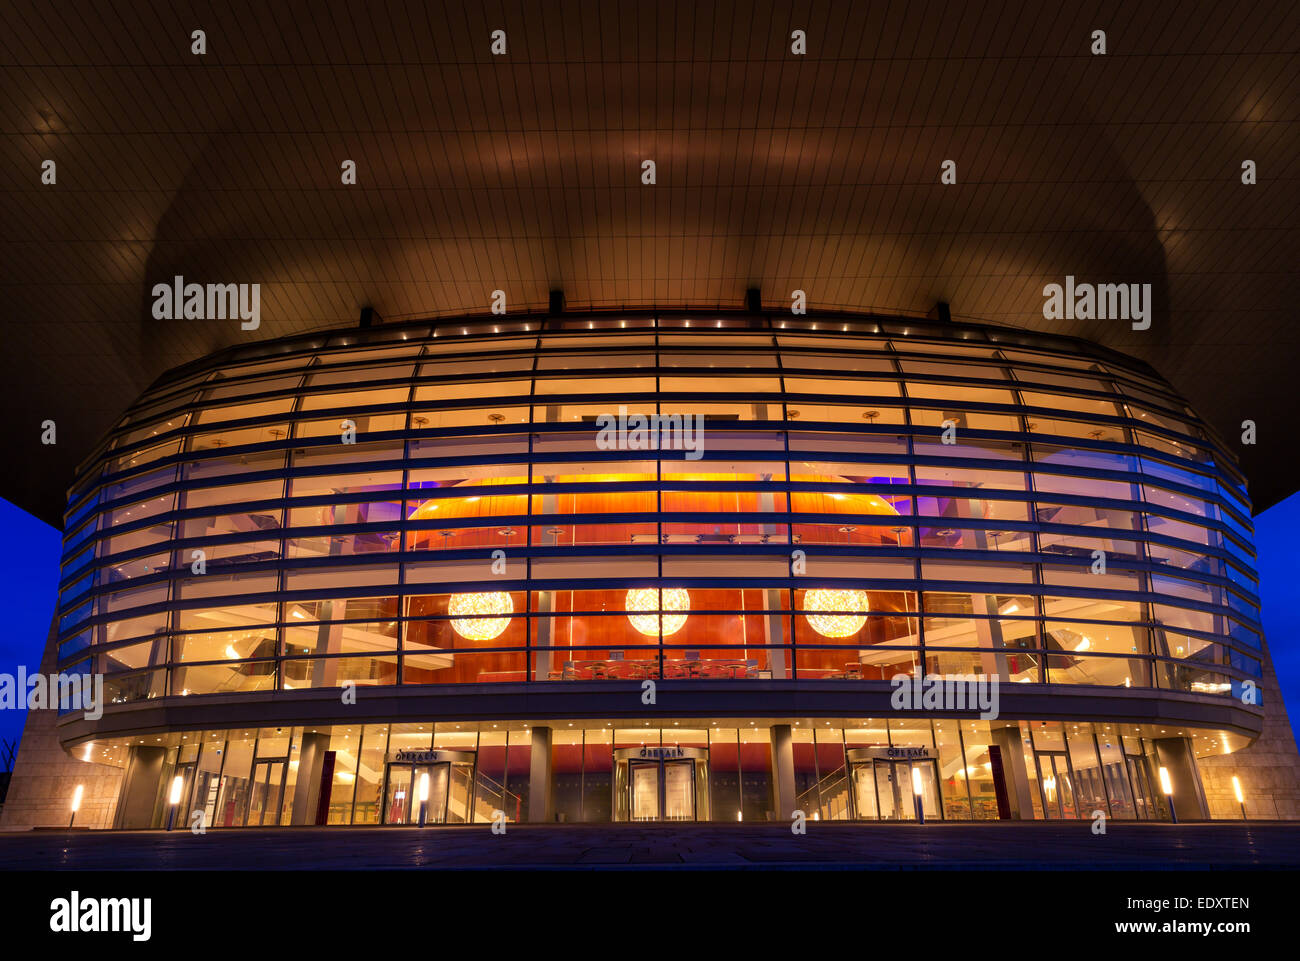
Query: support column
1008, 741
306, 793
143, 784
540, 808
1175, 754
783, 771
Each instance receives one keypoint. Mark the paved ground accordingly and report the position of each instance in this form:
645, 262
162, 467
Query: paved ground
839, 846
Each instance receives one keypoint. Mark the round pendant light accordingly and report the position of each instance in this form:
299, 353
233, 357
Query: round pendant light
676, 602
828, 621
472, 608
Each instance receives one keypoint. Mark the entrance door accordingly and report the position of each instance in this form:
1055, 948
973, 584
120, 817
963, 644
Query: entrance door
662, 791
884, 790
643, 783
402, 793
864, 792
1057, 785
888, 801
266, 793
397, 794
679, 790
1144, 800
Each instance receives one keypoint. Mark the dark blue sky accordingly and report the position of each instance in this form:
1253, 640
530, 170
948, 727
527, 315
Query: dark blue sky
29, 569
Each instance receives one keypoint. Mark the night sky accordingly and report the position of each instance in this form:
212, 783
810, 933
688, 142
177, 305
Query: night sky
30, 570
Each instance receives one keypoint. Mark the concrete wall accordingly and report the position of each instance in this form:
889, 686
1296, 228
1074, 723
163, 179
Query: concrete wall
1269, 769
44, 777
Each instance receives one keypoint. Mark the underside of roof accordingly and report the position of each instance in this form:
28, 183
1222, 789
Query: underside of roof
524, 172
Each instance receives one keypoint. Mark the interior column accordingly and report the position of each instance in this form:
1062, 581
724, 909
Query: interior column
1008, 741
306, 793
783, 771
140, 792
540, 808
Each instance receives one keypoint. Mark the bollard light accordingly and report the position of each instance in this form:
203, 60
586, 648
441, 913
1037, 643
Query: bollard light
1167, 788
76, 802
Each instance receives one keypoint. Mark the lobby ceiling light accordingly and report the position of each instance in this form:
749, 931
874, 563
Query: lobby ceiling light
477, 606
642, 605
836, 611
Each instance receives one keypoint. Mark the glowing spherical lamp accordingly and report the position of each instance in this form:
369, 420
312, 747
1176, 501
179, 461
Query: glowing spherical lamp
676, 603
473, 608
827, 603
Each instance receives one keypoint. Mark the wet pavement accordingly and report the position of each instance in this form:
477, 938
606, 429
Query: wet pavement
891, 847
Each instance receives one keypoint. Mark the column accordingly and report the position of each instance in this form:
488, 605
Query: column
1175, 754
140, 793
539, 778
783, 771
1008, 741
306, 793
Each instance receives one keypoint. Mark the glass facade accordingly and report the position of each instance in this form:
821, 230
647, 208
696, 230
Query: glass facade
857, 769
447, 505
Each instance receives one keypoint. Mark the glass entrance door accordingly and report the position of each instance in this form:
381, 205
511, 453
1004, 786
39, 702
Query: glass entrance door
888, 800
884, 790
397, 794
864, 792
1057, 785
643, 782
402, 793
679, 791
661, 783
266, 792
662, 791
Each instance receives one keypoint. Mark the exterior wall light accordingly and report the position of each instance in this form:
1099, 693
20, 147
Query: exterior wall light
76, 802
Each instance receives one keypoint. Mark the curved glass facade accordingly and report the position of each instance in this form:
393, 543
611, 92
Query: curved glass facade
343, 506
485, 503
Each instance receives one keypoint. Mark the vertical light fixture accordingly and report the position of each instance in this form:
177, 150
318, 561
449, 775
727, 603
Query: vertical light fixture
917, 791
174, 799
76, 802
424, 796
1167, 789
1241, 800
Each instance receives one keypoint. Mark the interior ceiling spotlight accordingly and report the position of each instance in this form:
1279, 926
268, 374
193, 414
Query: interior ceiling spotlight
642, 605
829, 621
476, 606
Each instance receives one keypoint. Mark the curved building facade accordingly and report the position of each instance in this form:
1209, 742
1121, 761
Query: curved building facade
648, 566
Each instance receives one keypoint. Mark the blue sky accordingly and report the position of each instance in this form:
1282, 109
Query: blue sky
30, 571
